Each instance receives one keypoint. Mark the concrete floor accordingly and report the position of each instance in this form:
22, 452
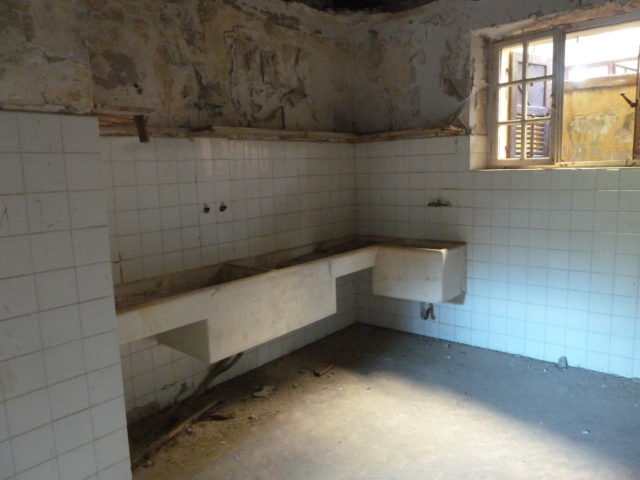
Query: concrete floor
400, 406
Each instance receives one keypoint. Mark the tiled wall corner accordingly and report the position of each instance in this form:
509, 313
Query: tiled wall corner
61, 396
278, 195
553, 256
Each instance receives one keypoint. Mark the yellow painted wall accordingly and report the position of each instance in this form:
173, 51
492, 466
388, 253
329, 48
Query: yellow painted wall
598, 123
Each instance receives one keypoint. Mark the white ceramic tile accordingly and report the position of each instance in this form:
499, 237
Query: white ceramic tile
6, 461
15, 256
84, 171
59, 325
118, 471
4, 423
33, 448
79, 134
44, 172
56, 288
122, 148
51, 251
87, 209
94, 281
77, 464
13, 210
39, 132
104, 384
45, 471
101, 351
64, 361
144, 151
22, 375
28, 411
9, 132
19, 336
69, 396
72, 431
11, 180
112, 448
108, 417
97, 316
47, 212
91, 245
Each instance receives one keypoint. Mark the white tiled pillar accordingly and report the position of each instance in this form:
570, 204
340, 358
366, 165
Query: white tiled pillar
61, 399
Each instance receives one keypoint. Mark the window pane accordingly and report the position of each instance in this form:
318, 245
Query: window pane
539, 99
533, 139
600, 64
509, 142
537, 139
540, 58
511, 63
602, 52
510, 103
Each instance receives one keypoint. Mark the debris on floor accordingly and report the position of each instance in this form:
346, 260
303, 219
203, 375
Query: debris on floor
217, 416
294, 433
562, 363
263, 392
321, 370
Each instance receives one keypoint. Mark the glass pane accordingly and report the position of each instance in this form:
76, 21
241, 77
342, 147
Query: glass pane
509, 142
602, 52
537, 139
510, 103
539, 99
540, 58
600, 64
511, 63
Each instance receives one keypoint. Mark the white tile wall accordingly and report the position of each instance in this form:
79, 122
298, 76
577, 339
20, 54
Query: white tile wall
53, 240
553, 256
278, 195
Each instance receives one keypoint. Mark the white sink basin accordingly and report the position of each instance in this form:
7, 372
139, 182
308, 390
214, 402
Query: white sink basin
433, 275
220, 311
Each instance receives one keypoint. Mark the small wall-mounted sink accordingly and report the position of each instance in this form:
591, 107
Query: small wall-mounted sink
433, 272
214, 312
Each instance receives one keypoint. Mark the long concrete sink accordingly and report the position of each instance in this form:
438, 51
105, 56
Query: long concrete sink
214, 312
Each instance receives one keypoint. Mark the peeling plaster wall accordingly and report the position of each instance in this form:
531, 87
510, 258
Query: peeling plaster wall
44, 64
202, 62
262, 63
414, 68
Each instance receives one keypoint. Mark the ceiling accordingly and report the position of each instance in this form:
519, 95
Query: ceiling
366, 5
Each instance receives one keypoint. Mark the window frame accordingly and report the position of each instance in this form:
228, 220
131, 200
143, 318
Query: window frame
558, 33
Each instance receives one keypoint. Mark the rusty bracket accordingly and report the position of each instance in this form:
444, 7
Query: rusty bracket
631, 103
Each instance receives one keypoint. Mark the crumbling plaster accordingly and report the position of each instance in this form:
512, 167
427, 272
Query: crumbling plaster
262, 63
202, 62
418, 70
44, 63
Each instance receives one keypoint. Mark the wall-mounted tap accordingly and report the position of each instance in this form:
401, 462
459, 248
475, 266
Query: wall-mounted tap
427, 313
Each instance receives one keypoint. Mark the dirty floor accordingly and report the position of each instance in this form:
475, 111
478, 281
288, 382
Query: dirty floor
400, 406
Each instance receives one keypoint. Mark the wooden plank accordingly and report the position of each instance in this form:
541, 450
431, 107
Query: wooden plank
141, 127
413, 133
113, 127
120, 110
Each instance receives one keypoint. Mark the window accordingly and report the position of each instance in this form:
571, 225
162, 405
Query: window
567, 97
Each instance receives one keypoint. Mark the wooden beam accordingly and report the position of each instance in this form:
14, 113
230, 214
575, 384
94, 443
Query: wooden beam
115, 128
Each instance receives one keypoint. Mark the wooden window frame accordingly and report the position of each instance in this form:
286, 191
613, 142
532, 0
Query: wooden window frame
558, 33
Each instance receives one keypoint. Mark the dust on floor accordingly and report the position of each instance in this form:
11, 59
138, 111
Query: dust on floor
400, 406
